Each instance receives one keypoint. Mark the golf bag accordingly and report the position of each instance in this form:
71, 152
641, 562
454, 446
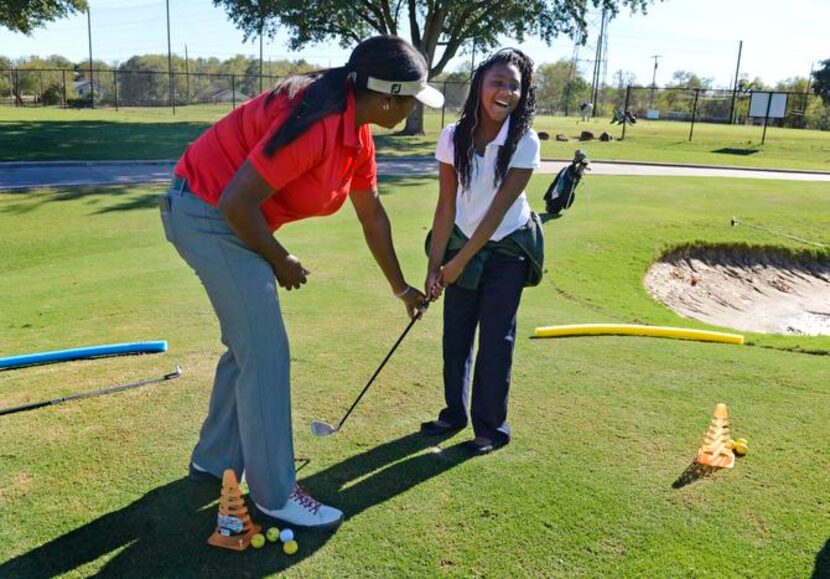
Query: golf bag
561, 193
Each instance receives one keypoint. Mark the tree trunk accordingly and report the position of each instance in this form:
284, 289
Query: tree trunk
414, 122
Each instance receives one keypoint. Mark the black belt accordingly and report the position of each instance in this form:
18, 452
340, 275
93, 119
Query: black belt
180, 184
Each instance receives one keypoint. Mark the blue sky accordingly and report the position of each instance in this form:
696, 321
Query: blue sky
781, 39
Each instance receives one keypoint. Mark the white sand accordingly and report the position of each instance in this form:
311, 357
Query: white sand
753, 290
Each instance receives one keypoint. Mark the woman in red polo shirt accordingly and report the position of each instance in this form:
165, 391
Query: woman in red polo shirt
295, 152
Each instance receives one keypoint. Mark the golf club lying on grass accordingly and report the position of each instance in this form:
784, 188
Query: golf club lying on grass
323, 429
110, 390
735, 221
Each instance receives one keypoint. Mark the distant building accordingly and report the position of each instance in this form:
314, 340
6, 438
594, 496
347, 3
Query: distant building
224, 95
84, 87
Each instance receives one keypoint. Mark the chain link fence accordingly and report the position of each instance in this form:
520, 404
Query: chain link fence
125, 88
81, 88
804, 110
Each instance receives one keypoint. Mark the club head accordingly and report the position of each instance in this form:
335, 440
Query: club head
322, 429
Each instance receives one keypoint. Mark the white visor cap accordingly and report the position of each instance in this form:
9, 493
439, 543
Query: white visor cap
422, 91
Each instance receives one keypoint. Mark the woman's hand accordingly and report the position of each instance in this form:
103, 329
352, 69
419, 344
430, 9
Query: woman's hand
416, 302
451, 271
432, 285
289, 272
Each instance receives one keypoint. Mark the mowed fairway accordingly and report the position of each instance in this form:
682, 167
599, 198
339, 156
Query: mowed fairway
603, 426
51, 134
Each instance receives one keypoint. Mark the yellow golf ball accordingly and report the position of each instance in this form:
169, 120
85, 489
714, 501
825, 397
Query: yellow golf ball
273, 534
290, 547
741, 449
257, 541
742, 441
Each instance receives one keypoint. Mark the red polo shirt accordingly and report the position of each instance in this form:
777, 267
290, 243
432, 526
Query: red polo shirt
312, 175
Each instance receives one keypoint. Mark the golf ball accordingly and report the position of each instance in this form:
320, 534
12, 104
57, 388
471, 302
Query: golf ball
290, 547
742, 441
272, 534
740, 449
257, 541
286, 535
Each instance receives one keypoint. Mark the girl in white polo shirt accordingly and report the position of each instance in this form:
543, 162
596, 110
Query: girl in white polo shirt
485, 245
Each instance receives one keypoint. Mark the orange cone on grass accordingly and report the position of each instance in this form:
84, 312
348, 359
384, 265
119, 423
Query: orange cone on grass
716, 450
234, 527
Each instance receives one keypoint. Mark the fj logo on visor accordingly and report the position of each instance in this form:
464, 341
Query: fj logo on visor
395, 89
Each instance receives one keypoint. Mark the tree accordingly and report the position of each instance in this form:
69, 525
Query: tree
560, 87
26, 15
438, 28
821, 82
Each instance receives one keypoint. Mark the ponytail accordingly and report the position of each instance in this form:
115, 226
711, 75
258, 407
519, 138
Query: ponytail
319, 94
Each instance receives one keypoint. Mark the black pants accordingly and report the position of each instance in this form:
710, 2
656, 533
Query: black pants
492, 308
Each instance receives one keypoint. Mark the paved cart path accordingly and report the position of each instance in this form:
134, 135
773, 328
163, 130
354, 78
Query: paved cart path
24, 175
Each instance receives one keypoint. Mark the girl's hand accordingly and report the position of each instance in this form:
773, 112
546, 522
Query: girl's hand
451, 271
416, 302
432, 285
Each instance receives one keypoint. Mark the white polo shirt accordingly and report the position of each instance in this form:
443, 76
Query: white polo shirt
471, 205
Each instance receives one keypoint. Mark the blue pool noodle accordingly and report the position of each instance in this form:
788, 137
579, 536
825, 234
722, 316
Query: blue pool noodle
81, 353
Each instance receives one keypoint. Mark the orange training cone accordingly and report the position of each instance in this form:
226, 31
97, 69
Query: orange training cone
234, 527
716, 450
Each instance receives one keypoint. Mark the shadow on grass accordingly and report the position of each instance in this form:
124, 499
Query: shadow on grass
822, 569
164, 533
740, 152
95, 140
694, 472
127, 197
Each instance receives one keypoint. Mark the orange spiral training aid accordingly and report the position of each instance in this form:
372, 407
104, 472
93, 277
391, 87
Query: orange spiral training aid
234, 527
716, 450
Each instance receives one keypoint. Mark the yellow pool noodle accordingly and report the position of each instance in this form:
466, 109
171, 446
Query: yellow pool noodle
637, 330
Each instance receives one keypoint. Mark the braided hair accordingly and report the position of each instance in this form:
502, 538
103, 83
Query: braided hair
520, 119
318, 94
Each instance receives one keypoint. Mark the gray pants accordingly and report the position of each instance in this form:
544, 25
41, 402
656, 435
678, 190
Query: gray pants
248, 426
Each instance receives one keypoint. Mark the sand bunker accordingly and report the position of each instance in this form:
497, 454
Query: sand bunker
757, 289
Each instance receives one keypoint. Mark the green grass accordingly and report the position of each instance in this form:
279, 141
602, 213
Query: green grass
31, 134
603, 426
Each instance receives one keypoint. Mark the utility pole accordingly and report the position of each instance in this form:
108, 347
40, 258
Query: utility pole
187, 75
598, 63
170, 61
261, 21
653, 80
735, 86
91, 84
571, 72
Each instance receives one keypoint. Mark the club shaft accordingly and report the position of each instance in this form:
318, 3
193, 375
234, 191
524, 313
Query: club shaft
81, 395
382, 364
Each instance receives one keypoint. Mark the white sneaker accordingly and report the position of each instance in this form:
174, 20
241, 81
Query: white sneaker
303, 512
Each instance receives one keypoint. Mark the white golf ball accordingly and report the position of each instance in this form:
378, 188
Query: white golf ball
286, 535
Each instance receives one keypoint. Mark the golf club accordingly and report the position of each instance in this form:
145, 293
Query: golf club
737, 221
110, 390
319, 428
